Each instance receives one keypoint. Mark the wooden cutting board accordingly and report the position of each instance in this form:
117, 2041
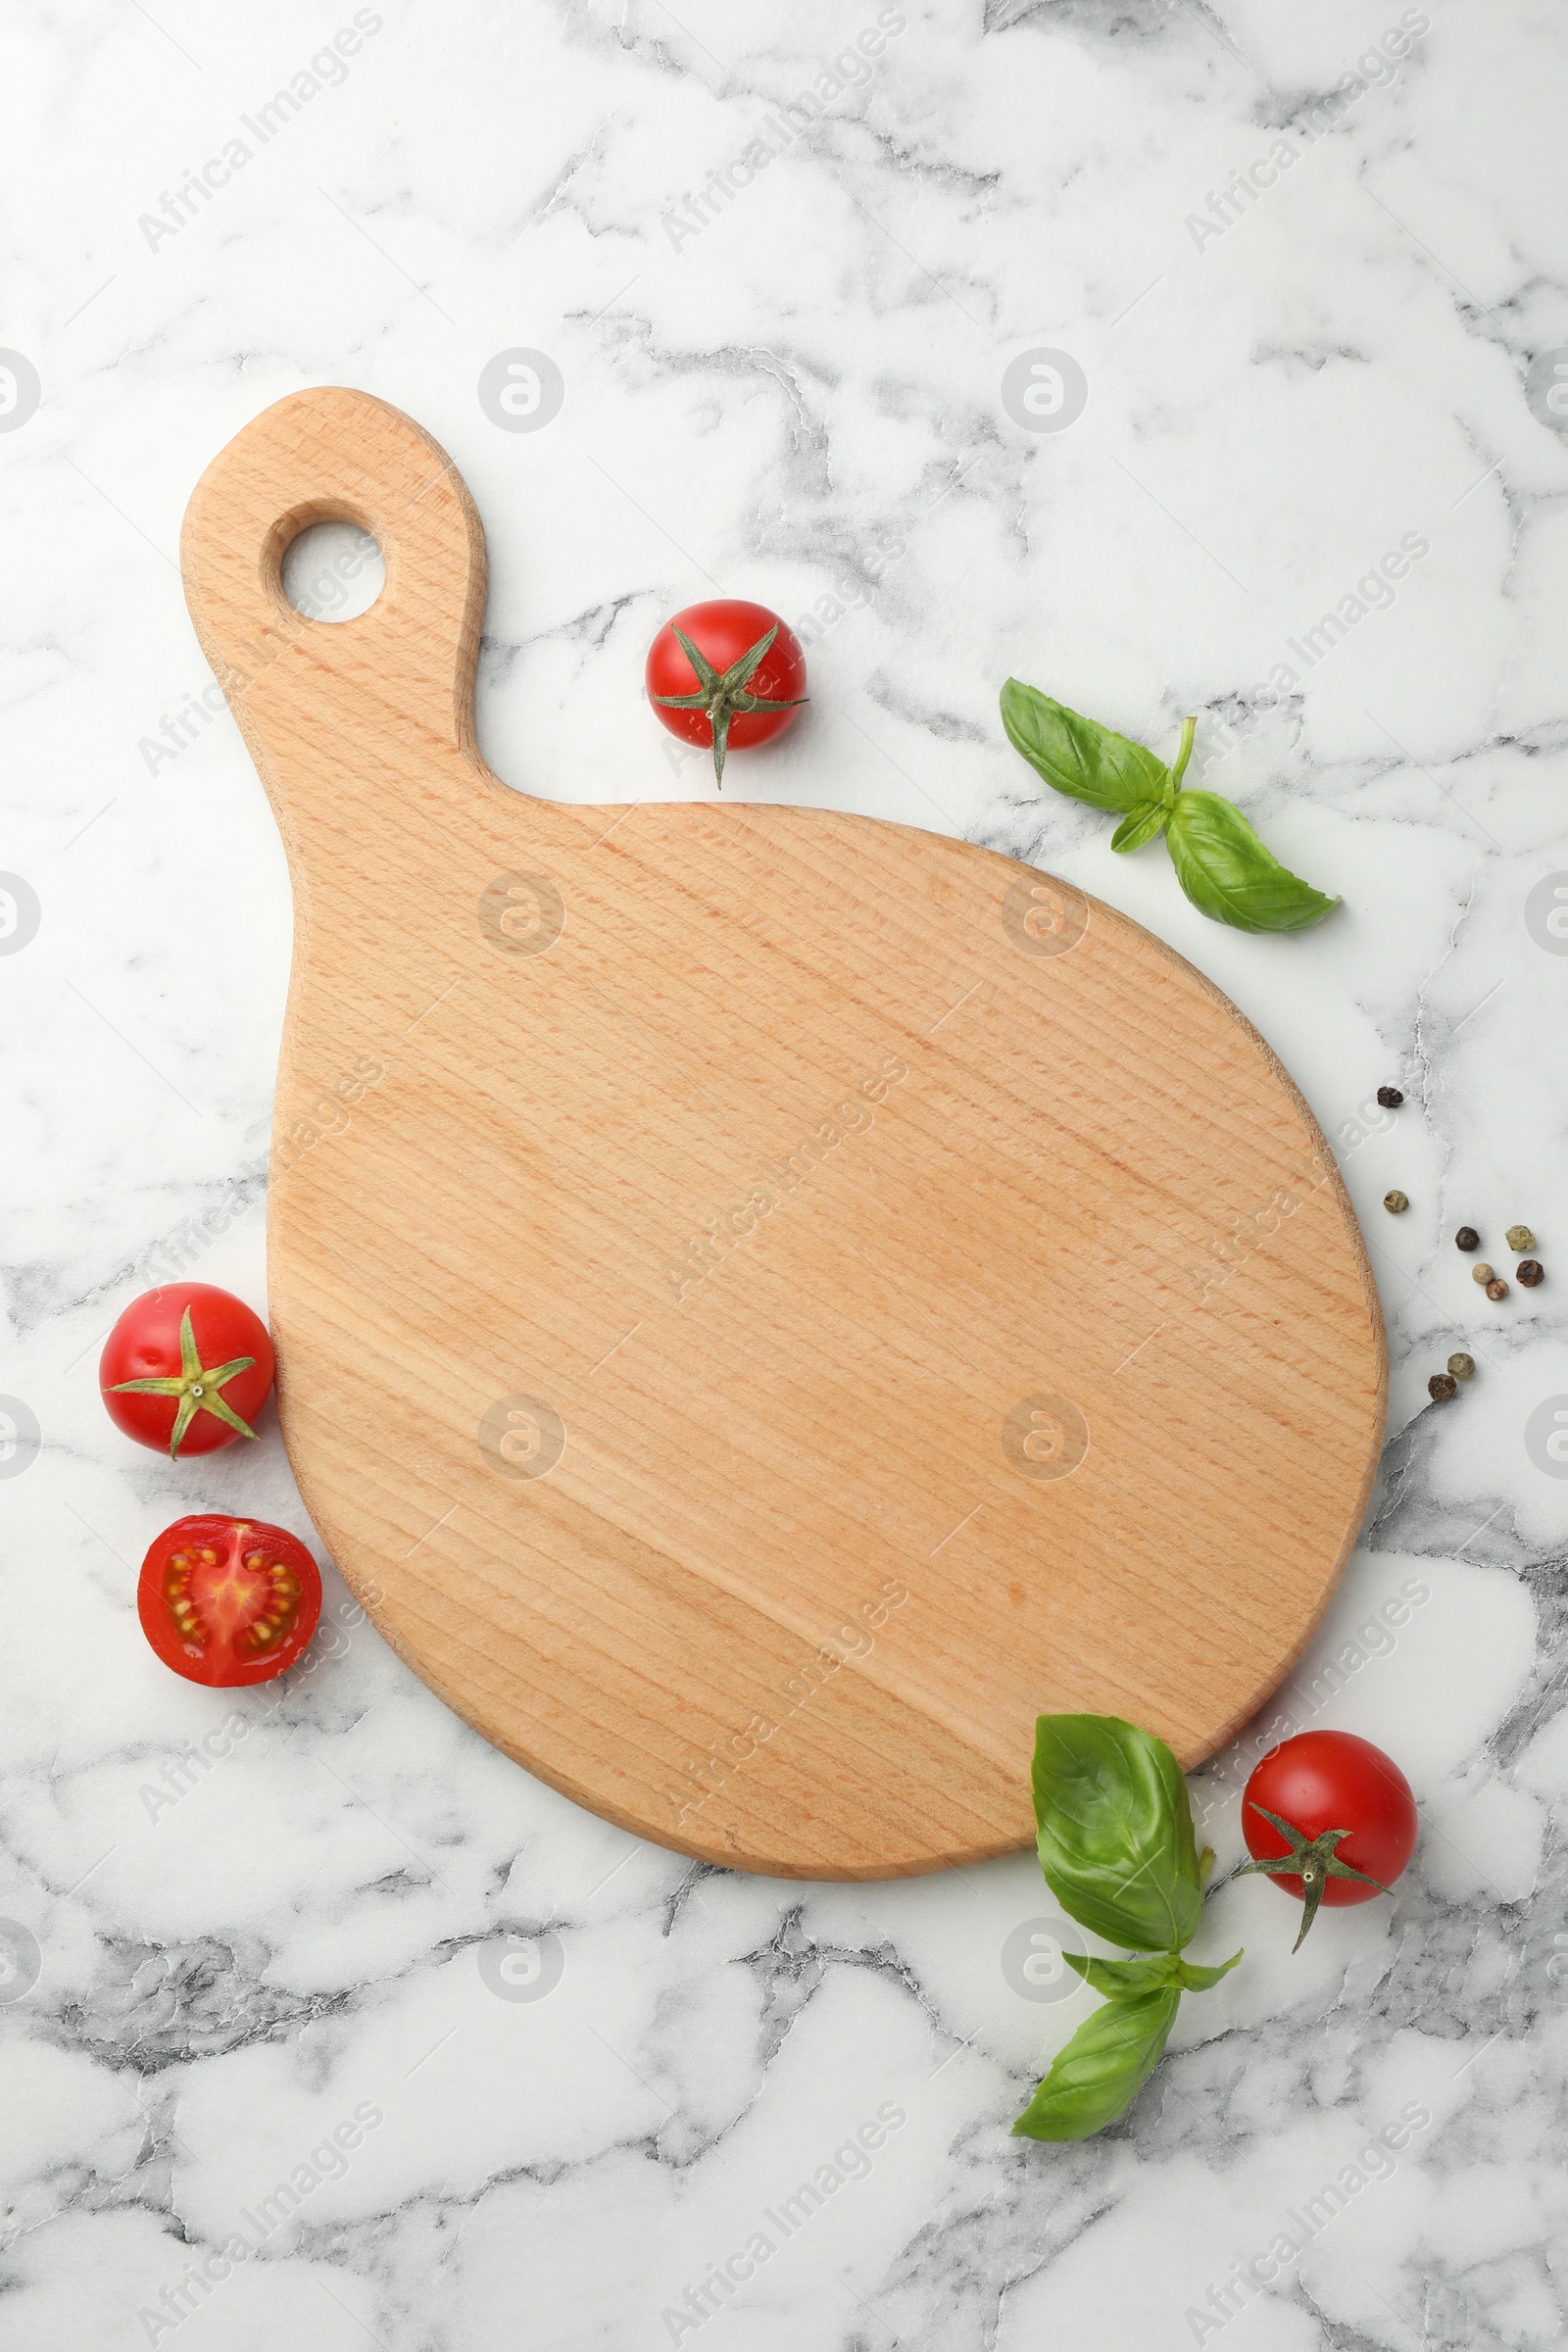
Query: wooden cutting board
766, 1301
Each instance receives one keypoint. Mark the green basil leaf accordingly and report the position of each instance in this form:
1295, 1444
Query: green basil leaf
1102, 2070
1115, 1832
1129, 1980
1076, 757
1140, 826
1228, 873
1196, 1979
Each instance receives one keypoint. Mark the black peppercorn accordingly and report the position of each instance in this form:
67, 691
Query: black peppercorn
1496, 1287
1467, 1237
1531, 1271
1440, 1387
1389, 1096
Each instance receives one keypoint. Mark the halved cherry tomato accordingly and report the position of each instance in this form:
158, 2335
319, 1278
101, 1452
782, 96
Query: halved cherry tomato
228, 1601
186, 1368
1348, 1816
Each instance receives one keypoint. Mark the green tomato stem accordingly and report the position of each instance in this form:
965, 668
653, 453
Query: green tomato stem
723, 695
1185, 752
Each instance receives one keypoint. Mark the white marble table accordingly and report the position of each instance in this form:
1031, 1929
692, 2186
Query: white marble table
281, 1959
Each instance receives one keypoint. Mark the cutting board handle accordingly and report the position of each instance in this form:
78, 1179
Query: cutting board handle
392, 688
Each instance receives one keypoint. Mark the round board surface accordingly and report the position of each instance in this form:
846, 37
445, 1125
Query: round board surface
766, 1301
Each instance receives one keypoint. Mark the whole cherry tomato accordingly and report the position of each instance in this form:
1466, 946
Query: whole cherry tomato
1330, 1818
187, 1367
728, 674
228, 1601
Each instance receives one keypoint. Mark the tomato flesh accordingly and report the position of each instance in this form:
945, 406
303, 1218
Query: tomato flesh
225, 1602
1333, 1781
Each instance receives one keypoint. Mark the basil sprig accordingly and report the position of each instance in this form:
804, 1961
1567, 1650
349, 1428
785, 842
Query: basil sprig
1220, 862
1115, 1842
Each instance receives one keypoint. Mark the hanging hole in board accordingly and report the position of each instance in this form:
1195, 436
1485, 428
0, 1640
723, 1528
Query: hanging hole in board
333, 572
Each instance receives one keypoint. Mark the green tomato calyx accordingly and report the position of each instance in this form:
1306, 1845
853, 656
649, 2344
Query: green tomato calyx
1313, 1861
197, 1386
724, 694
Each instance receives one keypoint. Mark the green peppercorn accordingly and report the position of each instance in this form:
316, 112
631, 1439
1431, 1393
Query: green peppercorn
1463, 1367
1531, 1271
1395, 1202
1467, 1237
1520, 1237
1496, 1287
1481, 1273
1440, 1388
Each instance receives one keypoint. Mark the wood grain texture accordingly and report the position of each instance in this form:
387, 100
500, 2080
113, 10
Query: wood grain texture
766, 1301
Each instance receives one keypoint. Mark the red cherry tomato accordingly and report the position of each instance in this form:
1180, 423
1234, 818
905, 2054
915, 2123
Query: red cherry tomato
228, 1601
186, 1368
1324, 1781
719, 693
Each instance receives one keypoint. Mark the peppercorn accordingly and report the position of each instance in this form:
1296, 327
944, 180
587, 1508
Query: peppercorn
1389, 1096
1467, 1237
1531, 1271
1440, 1388
1395, 1202
1481, 1273
1496, 1287
1520, 1237
1463, 1367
